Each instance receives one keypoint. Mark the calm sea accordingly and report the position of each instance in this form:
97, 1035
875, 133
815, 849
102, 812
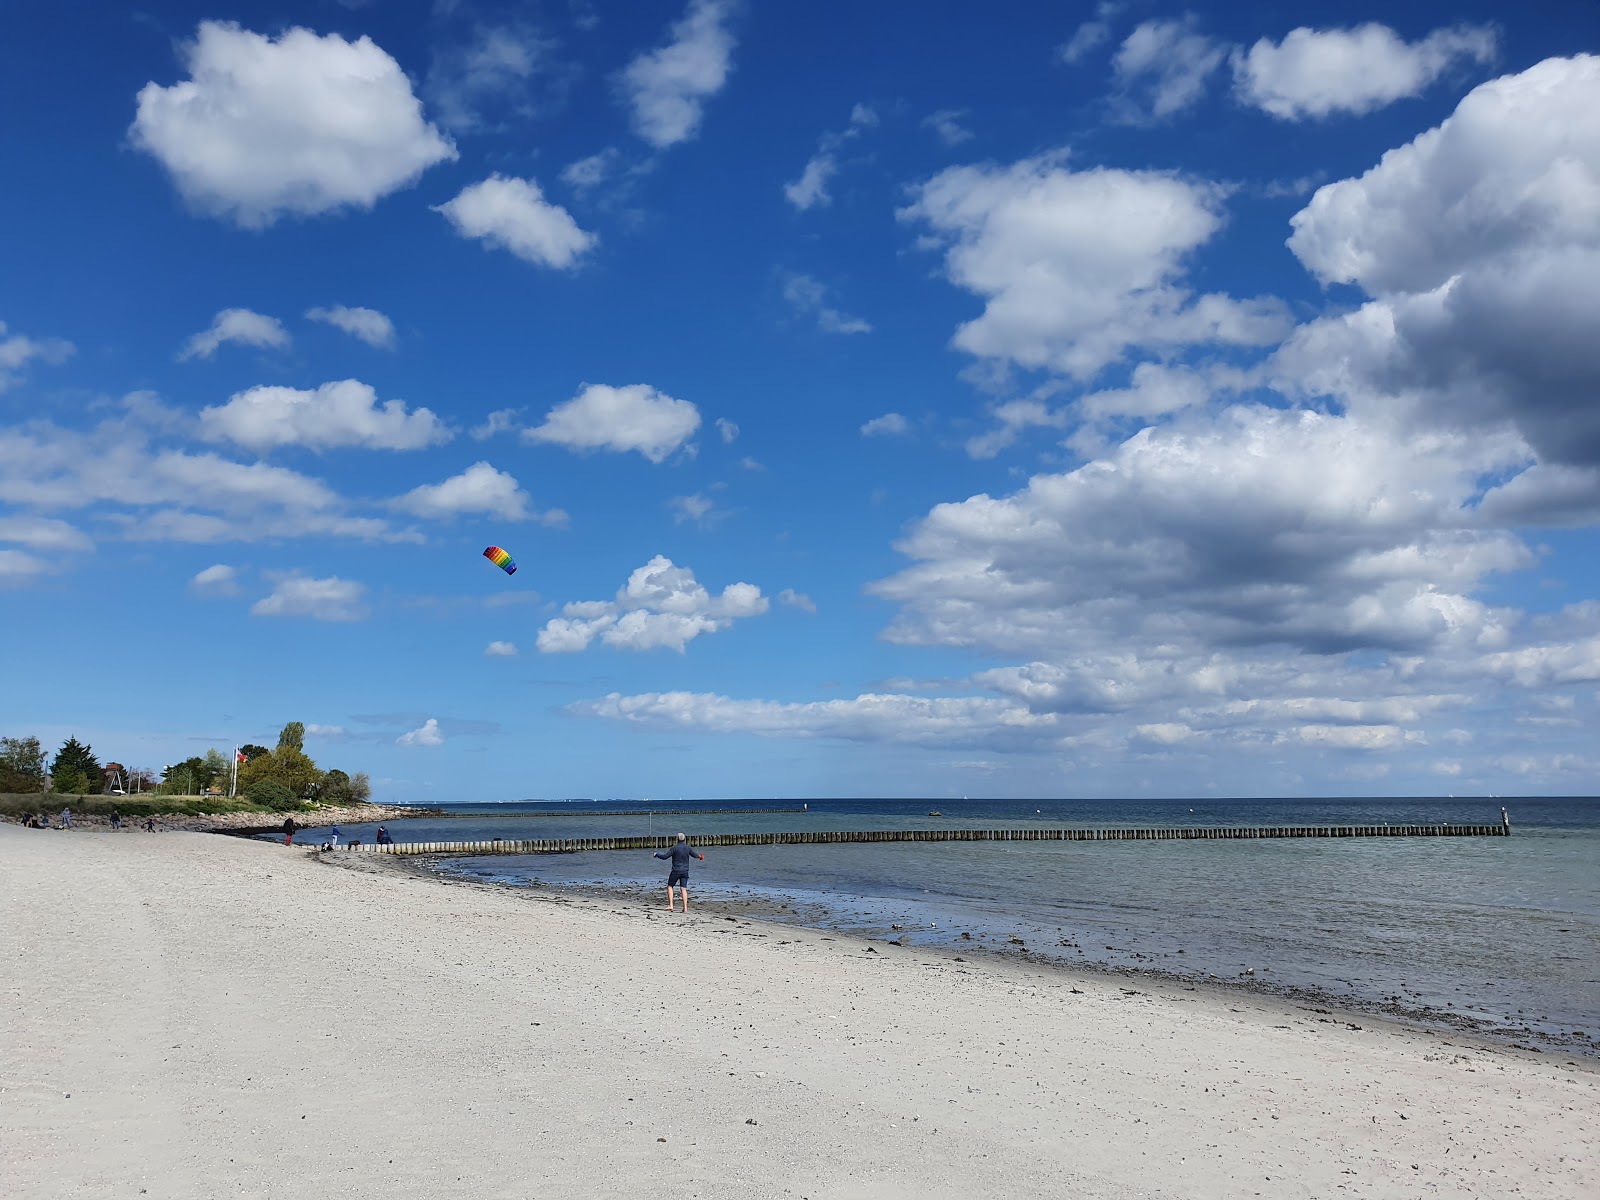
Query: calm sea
1505, 931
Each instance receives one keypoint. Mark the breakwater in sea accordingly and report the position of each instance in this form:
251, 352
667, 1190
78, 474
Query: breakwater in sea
826, 837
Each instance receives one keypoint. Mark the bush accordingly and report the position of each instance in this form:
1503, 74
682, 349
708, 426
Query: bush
269, 793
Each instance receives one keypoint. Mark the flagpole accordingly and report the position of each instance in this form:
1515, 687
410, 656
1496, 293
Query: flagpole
233, 787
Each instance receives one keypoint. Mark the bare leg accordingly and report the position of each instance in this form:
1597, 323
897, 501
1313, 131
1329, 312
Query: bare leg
685, 890
669, 897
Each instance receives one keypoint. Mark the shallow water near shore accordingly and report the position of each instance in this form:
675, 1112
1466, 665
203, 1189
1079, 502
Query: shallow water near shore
1502, 932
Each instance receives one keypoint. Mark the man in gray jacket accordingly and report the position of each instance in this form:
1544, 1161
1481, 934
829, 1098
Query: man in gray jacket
678, 876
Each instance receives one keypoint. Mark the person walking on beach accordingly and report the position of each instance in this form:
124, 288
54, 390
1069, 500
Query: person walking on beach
678, 875
288, 831
66, 818
116, 819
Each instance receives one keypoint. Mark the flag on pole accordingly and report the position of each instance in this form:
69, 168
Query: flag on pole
239, 756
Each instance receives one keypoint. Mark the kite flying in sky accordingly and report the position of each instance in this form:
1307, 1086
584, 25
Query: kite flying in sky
501, 559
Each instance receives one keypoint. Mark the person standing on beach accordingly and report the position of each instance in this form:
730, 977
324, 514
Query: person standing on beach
66, 818
678, 876
116, 819
335, 837
288, 831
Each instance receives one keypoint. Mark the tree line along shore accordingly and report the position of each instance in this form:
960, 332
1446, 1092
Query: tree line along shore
254, 779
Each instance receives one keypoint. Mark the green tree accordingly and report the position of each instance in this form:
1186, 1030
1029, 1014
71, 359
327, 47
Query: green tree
295, 771
335, 788
217, 767
269, 793
192, 776
21, 765
286, 766
253, 751
361, 788
293, 737
75, 770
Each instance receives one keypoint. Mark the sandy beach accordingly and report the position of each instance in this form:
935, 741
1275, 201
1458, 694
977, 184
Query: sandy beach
193, 1015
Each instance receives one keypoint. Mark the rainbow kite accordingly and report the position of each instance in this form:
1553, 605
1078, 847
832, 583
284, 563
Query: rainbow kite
501, 559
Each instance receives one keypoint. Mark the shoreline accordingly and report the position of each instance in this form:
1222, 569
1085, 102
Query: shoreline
245, 823
199, 1016
788, 913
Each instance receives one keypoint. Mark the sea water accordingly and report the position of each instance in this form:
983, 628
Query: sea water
1500, 931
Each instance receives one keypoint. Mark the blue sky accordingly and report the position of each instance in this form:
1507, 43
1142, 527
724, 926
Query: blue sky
1080, 399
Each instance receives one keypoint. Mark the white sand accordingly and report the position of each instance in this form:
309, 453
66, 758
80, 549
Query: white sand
192, 1015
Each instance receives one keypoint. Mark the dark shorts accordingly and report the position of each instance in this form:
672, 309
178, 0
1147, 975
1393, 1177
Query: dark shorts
678, 879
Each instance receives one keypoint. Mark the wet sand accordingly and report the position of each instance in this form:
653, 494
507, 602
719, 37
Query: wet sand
195, 1015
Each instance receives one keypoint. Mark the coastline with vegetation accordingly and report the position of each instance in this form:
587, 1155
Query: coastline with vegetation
255, 787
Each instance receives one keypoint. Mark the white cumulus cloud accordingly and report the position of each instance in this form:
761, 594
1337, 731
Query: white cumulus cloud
1078, 267
478, 489
635, 417
367, 324
236, 325
661, 605
329, 599
667, 88
427, 734
798, 600
217, 580
1479, 245
345, 413
298, 124
1319, 72
891, 424
514, 215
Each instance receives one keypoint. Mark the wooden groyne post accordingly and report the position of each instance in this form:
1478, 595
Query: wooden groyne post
833, 837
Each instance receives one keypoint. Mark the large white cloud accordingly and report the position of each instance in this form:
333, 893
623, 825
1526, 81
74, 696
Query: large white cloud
514, 215
914, 720
1479, 243
661, 605
127, 470
1319, 72
1316, 532
667, 88
478, 489
298, 124
1077, 267
635, 417
239, 325
344, 413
